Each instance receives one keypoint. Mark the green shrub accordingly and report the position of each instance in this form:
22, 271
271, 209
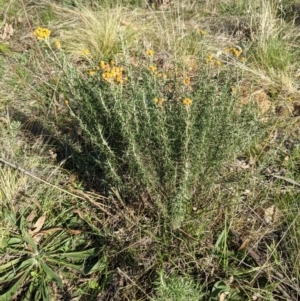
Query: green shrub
149, 140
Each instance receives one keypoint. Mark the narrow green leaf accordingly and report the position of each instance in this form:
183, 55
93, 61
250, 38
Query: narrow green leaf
26, 236
99, 266
29, 292
9, 264
51, 274
76, 267
29, 240
14, 270
26, 263
44, 291
80, 255
13, 241
13, 289
7, 276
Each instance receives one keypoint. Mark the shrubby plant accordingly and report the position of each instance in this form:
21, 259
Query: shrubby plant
154, 133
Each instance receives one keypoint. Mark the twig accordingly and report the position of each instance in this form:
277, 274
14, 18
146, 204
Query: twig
127, 277
289, 180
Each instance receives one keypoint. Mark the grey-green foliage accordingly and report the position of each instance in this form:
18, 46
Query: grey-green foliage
170, 151
177, 288
222, 291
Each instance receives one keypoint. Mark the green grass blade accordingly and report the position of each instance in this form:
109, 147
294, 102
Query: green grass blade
51, 274
9, 264
11, 274
81, 255
13, 289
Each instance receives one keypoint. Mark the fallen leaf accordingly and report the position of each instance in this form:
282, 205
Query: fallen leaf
79, 213
244, 244
37, 203
7, 32
30, 217
38, 225
75, 232
38, 236
272, 215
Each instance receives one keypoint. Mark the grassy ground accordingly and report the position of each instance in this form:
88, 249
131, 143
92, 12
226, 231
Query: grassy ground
150, 150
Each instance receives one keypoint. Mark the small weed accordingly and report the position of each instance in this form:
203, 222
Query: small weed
177, 288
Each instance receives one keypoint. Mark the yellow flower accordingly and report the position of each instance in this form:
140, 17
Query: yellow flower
92, 72
155, 99
57, 44
102, 64
162, 75
218, 63
85, 52
42, 33
187, 101
210, 58
150, 52
202, 32
234, 51
66, 102
187, 81
152, 68
161, 101
243, 59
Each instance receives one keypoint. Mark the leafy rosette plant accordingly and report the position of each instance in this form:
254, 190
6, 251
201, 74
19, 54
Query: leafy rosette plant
34, 262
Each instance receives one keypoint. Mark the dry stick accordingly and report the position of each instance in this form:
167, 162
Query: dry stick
82, 196
127, 277
289, 180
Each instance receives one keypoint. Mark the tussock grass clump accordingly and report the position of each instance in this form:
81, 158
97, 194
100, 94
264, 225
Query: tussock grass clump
102, 32
273, 48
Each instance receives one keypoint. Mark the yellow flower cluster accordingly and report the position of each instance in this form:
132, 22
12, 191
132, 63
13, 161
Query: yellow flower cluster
187, 101
155, 73
202, 32
234, 51
42, 33
112, 73
152, 68
211, 59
